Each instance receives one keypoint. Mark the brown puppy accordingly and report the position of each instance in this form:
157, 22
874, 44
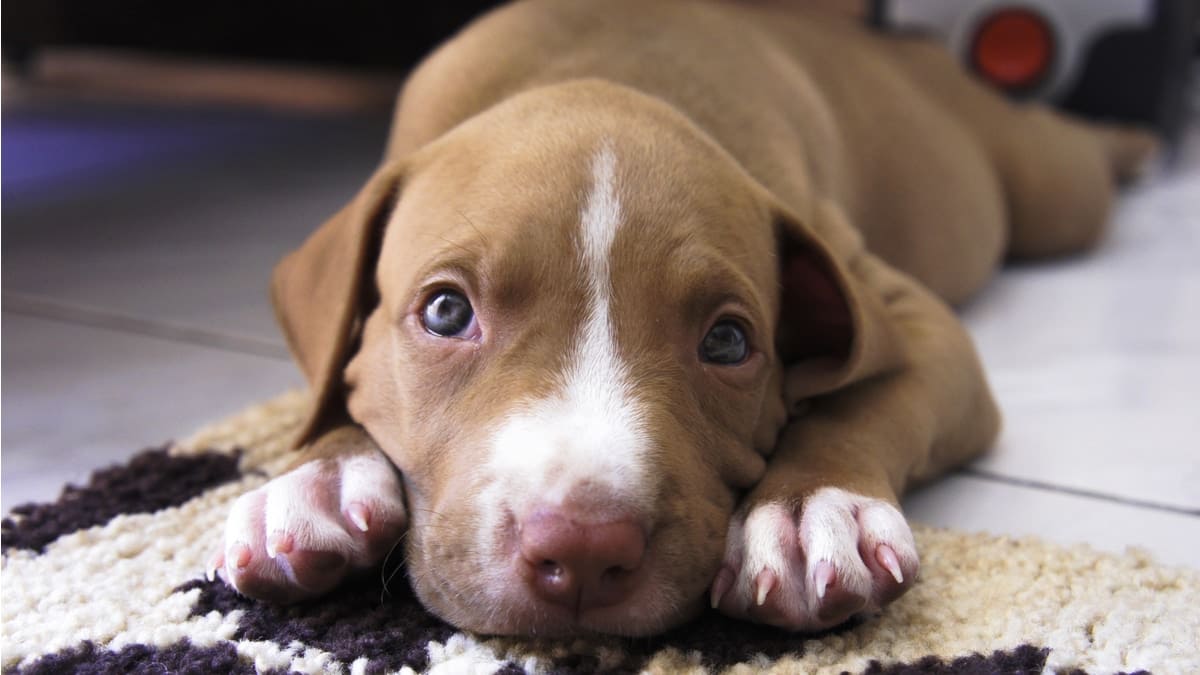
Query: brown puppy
646, 307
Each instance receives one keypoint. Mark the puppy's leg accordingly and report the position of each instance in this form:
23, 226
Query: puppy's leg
340, 508
1059, 174
821, 537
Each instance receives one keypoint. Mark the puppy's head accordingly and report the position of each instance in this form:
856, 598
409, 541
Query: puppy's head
562, 322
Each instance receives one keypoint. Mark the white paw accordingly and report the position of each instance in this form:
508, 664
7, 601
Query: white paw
843, 555
300, 534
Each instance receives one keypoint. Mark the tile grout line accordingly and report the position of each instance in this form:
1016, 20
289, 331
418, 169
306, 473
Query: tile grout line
123, 323
1079, 492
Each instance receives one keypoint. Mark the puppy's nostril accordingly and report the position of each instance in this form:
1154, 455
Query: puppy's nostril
550, 569
615, 573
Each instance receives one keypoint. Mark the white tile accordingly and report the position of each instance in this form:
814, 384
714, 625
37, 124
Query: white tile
191, 237
977, 505
76, 398
1096, 360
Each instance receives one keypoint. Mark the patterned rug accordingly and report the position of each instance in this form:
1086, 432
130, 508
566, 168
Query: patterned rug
110, 578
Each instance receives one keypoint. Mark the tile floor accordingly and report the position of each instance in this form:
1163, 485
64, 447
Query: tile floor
138, 239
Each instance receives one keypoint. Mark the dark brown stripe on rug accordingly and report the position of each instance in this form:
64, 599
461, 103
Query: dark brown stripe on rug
181, 657
150, 481
721, 641
392, 630
1024, 660
357, 619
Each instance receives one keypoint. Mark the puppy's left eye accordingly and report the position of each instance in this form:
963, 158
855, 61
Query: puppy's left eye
448, 313
725, 344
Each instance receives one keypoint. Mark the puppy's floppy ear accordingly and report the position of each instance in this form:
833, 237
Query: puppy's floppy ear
833, 326
323, 290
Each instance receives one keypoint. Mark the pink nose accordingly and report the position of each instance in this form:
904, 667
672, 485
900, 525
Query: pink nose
581, 565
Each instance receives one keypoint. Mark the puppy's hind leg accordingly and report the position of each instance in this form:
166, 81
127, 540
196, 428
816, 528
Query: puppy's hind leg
1059, 174
1060, 177
1130, 151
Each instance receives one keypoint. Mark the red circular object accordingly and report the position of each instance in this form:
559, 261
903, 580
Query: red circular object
1013, 48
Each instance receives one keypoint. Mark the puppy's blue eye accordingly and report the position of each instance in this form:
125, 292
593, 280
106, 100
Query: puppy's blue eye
725, 344
447, 313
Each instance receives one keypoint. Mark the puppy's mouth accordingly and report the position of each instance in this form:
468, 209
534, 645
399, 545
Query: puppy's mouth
513, 612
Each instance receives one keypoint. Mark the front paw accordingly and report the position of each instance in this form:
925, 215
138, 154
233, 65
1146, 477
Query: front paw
844, 554
300, 534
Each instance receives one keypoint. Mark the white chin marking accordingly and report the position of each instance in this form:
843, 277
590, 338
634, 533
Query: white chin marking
592, 429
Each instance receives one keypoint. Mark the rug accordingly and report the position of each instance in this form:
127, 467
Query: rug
110, 578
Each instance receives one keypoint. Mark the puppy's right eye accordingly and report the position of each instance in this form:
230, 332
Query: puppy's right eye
448, 313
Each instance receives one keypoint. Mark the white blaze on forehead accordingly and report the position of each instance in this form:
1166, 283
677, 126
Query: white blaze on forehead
600, 221
592, 429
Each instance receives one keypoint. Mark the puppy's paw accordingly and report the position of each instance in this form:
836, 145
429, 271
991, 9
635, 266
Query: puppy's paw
844, 554
300, 534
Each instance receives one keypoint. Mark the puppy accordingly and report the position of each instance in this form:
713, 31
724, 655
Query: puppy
648, 308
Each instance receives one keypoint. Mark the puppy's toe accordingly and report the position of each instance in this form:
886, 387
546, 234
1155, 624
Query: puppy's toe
244, 561
868, 544
842, 555
301, 533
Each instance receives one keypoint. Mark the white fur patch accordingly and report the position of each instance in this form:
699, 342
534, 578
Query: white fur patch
835, 520
769, 537
836, 525
592, 428
303, 503
369, 480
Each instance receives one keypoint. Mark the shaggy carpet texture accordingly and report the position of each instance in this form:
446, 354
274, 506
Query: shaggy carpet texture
110, 578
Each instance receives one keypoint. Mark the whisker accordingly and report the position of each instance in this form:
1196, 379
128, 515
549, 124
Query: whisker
385, 577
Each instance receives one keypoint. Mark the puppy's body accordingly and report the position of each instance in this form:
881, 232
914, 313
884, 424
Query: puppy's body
610, 186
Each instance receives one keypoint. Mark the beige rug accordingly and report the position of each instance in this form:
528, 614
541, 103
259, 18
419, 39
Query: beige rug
110, 579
